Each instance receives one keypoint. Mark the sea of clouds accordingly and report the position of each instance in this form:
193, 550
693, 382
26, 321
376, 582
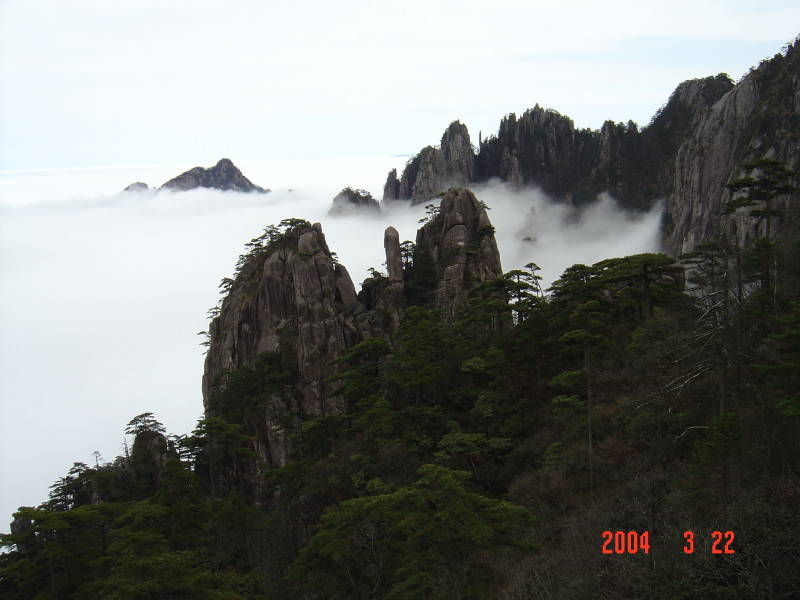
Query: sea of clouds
102, 293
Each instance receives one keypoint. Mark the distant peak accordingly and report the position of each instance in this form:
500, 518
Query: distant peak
223, 176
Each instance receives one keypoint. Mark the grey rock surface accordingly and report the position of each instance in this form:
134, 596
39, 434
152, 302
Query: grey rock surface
459, 242
295, 303
149, 455
391, 189
758, 118
434, 170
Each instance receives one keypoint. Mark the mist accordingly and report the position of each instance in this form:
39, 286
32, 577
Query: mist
103, 293
532, 227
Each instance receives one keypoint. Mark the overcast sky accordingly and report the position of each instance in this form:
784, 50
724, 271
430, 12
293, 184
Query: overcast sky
86, 82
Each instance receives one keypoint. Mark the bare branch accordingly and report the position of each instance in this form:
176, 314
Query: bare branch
687, 430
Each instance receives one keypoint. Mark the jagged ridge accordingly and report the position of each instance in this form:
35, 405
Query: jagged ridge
293, 311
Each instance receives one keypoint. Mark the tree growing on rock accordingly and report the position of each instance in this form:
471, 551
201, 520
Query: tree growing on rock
144, 422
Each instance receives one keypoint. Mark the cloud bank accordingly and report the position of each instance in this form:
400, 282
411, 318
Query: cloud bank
103, 292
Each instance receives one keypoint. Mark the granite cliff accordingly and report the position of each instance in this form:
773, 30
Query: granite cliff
292, 312
758, 118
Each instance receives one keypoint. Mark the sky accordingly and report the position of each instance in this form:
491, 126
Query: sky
86, 82
102, 293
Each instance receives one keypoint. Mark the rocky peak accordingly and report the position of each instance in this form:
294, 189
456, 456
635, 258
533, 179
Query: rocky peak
700, 94
457, 153
391, 190
150, 453
392, 300
543, 148
420, 179
292, 312
222, 176
350, 201
433, 170
459, 245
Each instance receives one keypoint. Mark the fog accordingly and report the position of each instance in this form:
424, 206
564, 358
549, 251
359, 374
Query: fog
102, 293
532, 227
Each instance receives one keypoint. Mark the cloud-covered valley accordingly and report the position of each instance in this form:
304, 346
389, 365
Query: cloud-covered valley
102, 293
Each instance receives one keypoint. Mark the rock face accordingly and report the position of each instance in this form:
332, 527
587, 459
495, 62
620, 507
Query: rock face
222, 176
149, 455
350, 201
137, 186
292, 312
294, 304
434, 170
392, 300
459, 245
759, 118
391, 190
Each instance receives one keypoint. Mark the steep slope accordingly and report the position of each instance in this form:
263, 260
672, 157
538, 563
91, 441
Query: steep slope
458, 247
291, 312
759, 118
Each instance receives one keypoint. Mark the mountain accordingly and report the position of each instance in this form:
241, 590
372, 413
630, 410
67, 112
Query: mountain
223, 176
543, 148
686, 155
434, 170
449, 431
350, 201
292, 313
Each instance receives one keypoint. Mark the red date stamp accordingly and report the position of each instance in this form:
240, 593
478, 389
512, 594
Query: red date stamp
721, 542
625, 542
635, 542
